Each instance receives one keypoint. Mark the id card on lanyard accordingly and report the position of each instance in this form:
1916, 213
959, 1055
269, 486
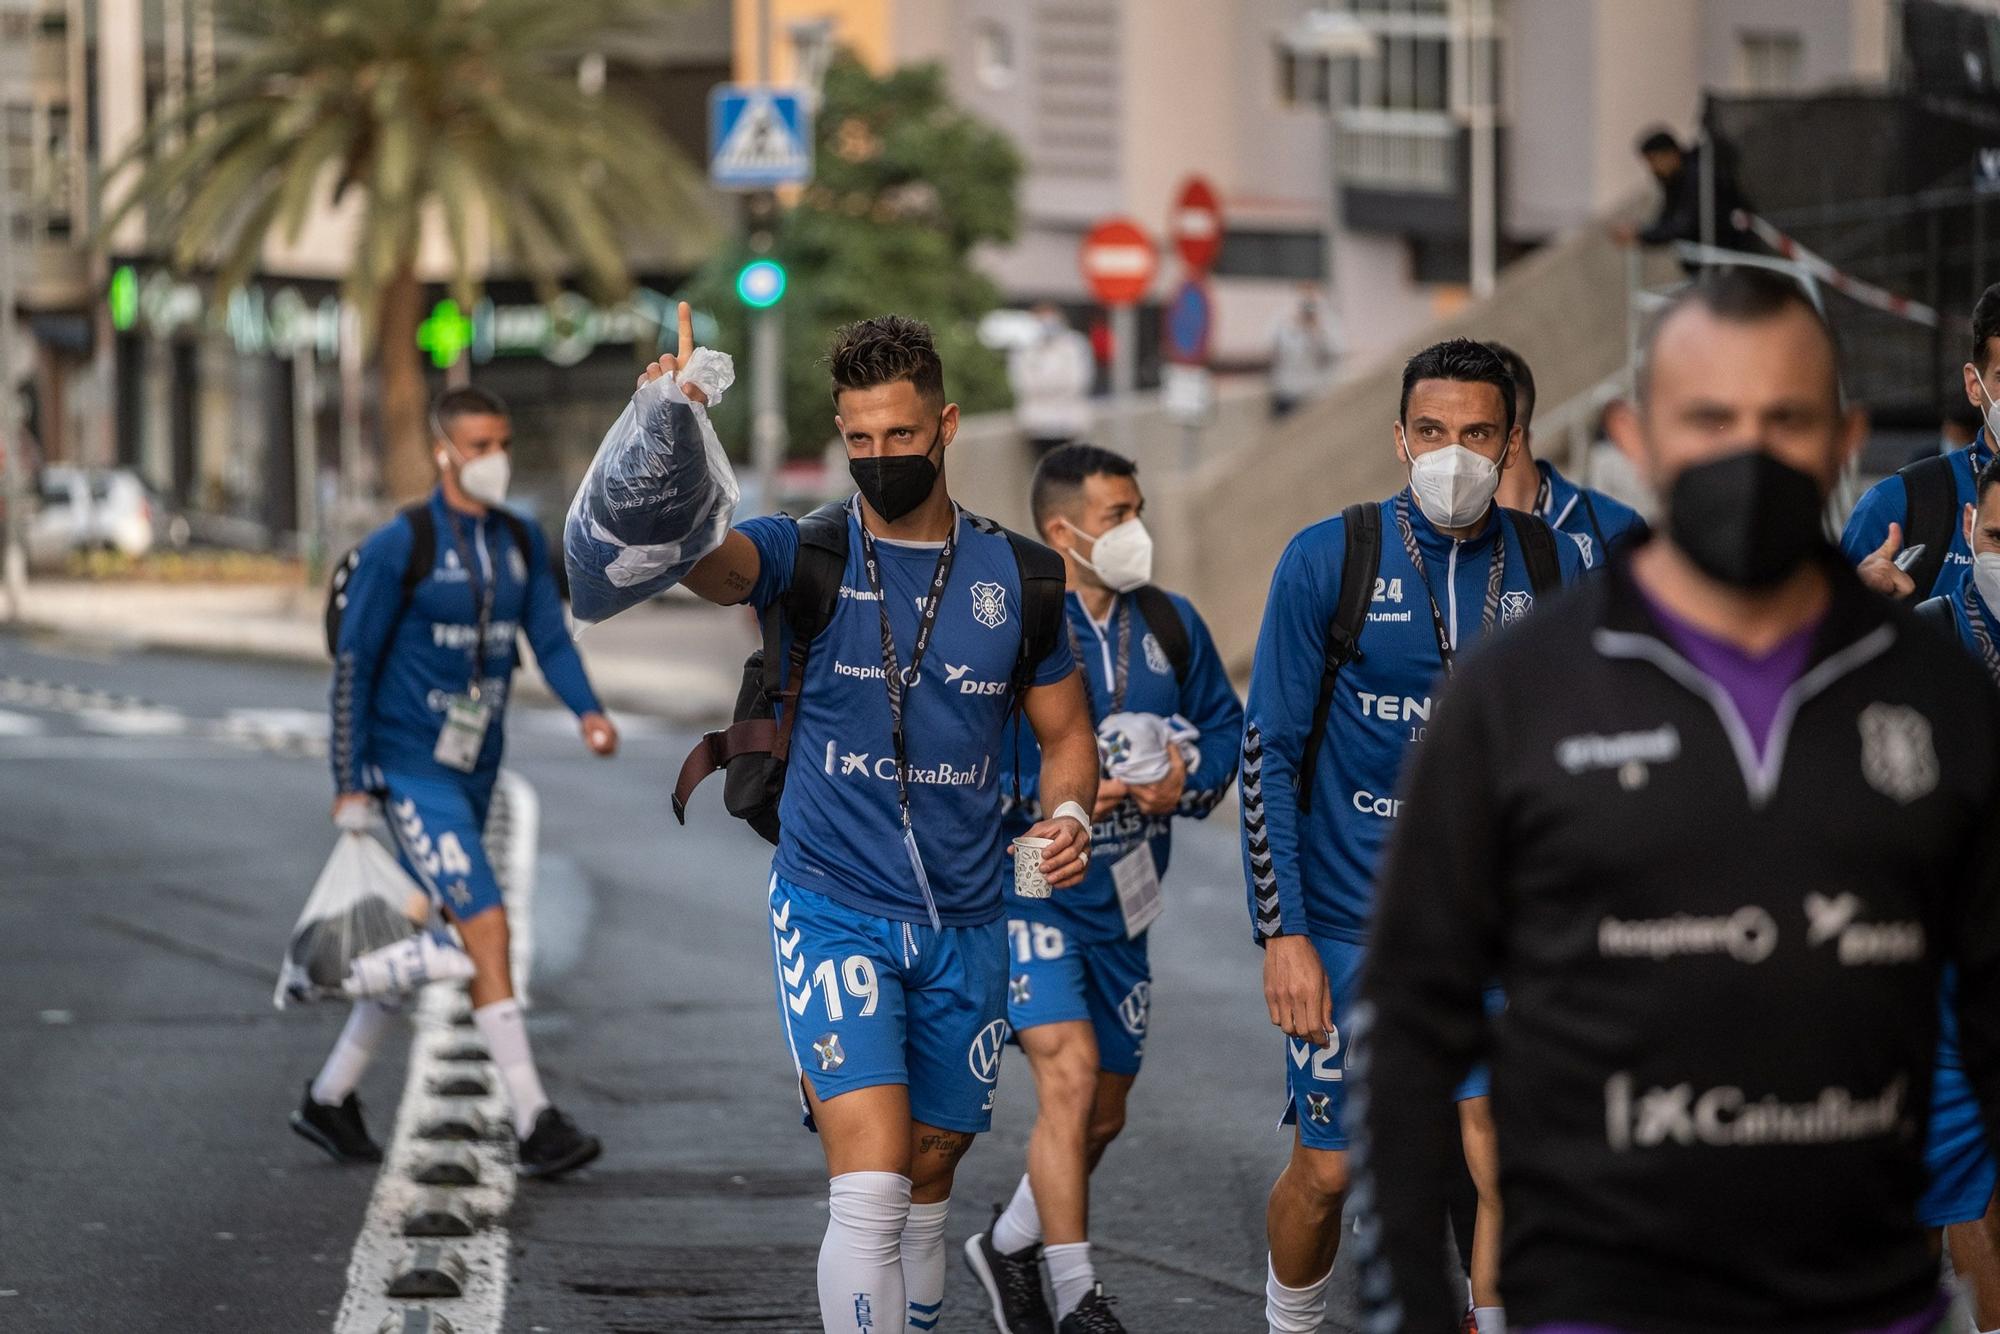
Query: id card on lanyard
467, 716
898, 682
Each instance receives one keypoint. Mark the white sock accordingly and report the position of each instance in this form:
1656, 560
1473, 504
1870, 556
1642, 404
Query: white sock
366, 1023
923, 1263
1070, 1274
1020, 1225
1490, 1319
861, 1260
506, 1034
1294, 1310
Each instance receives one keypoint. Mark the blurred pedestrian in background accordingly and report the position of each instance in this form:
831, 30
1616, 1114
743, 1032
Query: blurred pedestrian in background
1051, 378
1678, 170
1302, 355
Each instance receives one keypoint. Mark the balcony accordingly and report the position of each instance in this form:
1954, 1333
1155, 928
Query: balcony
1405, 152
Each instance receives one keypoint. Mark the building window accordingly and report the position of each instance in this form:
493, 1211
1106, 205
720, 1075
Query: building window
1305, 80
1769, 62
1293, 256
993, 56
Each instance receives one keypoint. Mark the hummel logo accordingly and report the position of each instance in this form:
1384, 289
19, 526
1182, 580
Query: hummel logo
1827, 918
853, 764
952, 673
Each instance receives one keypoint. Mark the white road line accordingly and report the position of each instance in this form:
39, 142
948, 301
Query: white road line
20, 724
133, 722
512, 836
380, 1248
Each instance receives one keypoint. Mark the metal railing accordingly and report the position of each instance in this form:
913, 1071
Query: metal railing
1396, 150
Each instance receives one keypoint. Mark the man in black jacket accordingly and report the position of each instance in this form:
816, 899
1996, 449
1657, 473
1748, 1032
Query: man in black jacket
1716, 823
1678, 170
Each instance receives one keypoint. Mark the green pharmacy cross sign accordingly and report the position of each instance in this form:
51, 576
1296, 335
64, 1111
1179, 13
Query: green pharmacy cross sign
446, 333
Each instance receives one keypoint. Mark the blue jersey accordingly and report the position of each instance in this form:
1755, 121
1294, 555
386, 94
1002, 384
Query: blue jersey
394, 668
1598, 524
1888, 501
1313, 873
842, 829
1089, 911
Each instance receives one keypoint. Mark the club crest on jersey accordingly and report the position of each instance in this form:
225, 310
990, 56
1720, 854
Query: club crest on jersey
1513, 606
1156, 657
983, 1058
1897, 757
1583, 545
989, 604
1319, 1108
827, 1048
1134, 1009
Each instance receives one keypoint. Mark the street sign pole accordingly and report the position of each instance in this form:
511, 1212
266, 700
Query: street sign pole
767, 403
13, 558
1118, 261
1124, 372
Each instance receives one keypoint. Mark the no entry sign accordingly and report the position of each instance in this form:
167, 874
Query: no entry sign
1197, 225
1118, 260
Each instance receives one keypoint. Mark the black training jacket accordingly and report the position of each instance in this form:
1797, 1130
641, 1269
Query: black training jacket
1712, 1076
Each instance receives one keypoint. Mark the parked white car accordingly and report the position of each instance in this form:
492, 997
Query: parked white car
90, 510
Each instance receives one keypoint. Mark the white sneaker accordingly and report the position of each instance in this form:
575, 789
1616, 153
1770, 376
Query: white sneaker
401, 968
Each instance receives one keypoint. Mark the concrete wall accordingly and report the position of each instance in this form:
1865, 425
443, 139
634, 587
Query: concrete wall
1550, 183
1644, 74
1826, 32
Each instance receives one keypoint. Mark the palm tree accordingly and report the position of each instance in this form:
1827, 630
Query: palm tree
464, 113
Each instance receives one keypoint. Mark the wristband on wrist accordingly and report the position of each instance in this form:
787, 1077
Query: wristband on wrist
1075, 811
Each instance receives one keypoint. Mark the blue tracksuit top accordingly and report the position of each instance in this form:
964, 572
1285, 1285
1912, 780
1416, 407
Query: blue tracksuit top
1089, 911
1888, 501
1594, 521
392, 673
1313, 873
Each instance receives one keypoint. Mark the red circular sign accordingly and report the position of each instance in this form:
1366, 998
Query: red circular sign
1197, 224
1118, 260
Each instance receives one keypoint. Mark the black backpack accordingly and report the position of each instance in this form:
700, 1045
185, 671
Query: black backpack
423, 552
1157, 611
1930, 516
1358, 571
753, 751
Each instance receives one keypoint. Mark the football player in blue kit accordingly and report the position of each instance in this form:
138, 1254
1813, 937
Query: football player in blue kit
424, 621
1338, 700
886, 906
1079, 992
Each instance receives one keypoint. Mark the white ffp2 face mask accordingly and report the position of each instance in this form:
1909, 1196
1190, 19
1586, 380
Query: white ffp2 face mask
1122, 556
1454, 486
485, 478
1986, 577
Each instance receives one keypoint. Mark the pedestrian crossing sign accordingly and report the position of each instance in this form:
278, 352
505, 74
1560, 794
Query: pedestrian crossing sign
758, 137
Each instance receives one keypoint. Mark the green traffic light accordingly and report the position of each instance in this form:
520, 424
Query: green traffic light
761, 283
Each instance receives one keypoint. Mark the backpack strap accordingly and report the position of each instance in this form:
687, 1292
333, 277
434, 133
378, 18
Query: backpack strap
1936, 612
1930, 516
1157, 609
1043, 584
1359, 564
423, 550
1538, 550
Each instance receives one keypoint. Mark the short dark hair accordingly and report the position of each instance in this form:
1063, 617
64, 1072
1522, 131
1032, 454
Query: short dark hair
1463, 360
1989, 477
1658, 139
1740, 294
1063, 471
883, 350
1985, 324
464, 401
1524, 382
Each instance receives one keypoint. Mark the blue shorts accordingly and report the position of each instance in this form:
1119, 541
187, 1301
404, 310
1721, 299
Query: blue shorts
1056, 979
867, 1001
1316, 1076
1956, 1156
438, 825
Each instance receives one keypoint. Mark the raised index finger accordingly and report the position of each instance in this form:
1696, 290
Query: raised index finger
687, 332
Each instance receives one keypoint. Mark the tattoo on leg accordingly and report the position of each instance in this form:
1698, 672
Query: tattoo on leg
944, 1142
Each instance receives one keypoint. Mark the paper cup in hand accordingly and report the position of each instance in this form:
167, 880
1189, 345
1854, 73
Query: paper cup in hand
1029, 882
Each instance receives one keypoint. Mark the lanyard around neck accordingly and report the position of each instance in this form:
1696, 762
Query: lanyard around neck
894, 678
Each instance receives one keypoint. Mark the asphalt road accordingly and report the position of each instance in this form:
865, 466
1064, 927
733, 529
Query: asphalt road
153, 859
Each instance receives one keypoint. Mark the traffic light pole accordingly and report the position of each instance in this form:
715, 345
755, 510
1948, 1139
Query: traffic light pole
13, 561
767, 403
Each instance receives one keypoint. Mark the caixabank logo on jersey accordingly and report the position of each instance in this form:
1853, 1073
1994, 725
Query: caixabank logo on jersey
843, 763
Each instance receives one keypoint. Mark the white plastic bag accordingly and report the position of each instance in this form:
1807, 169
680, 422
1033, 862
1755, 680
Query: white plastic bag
657, 498
360, 904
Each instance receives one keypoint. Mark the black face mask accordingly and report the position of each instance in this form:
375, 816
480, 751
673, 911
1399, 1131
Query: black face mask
1746, 519
895, 484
